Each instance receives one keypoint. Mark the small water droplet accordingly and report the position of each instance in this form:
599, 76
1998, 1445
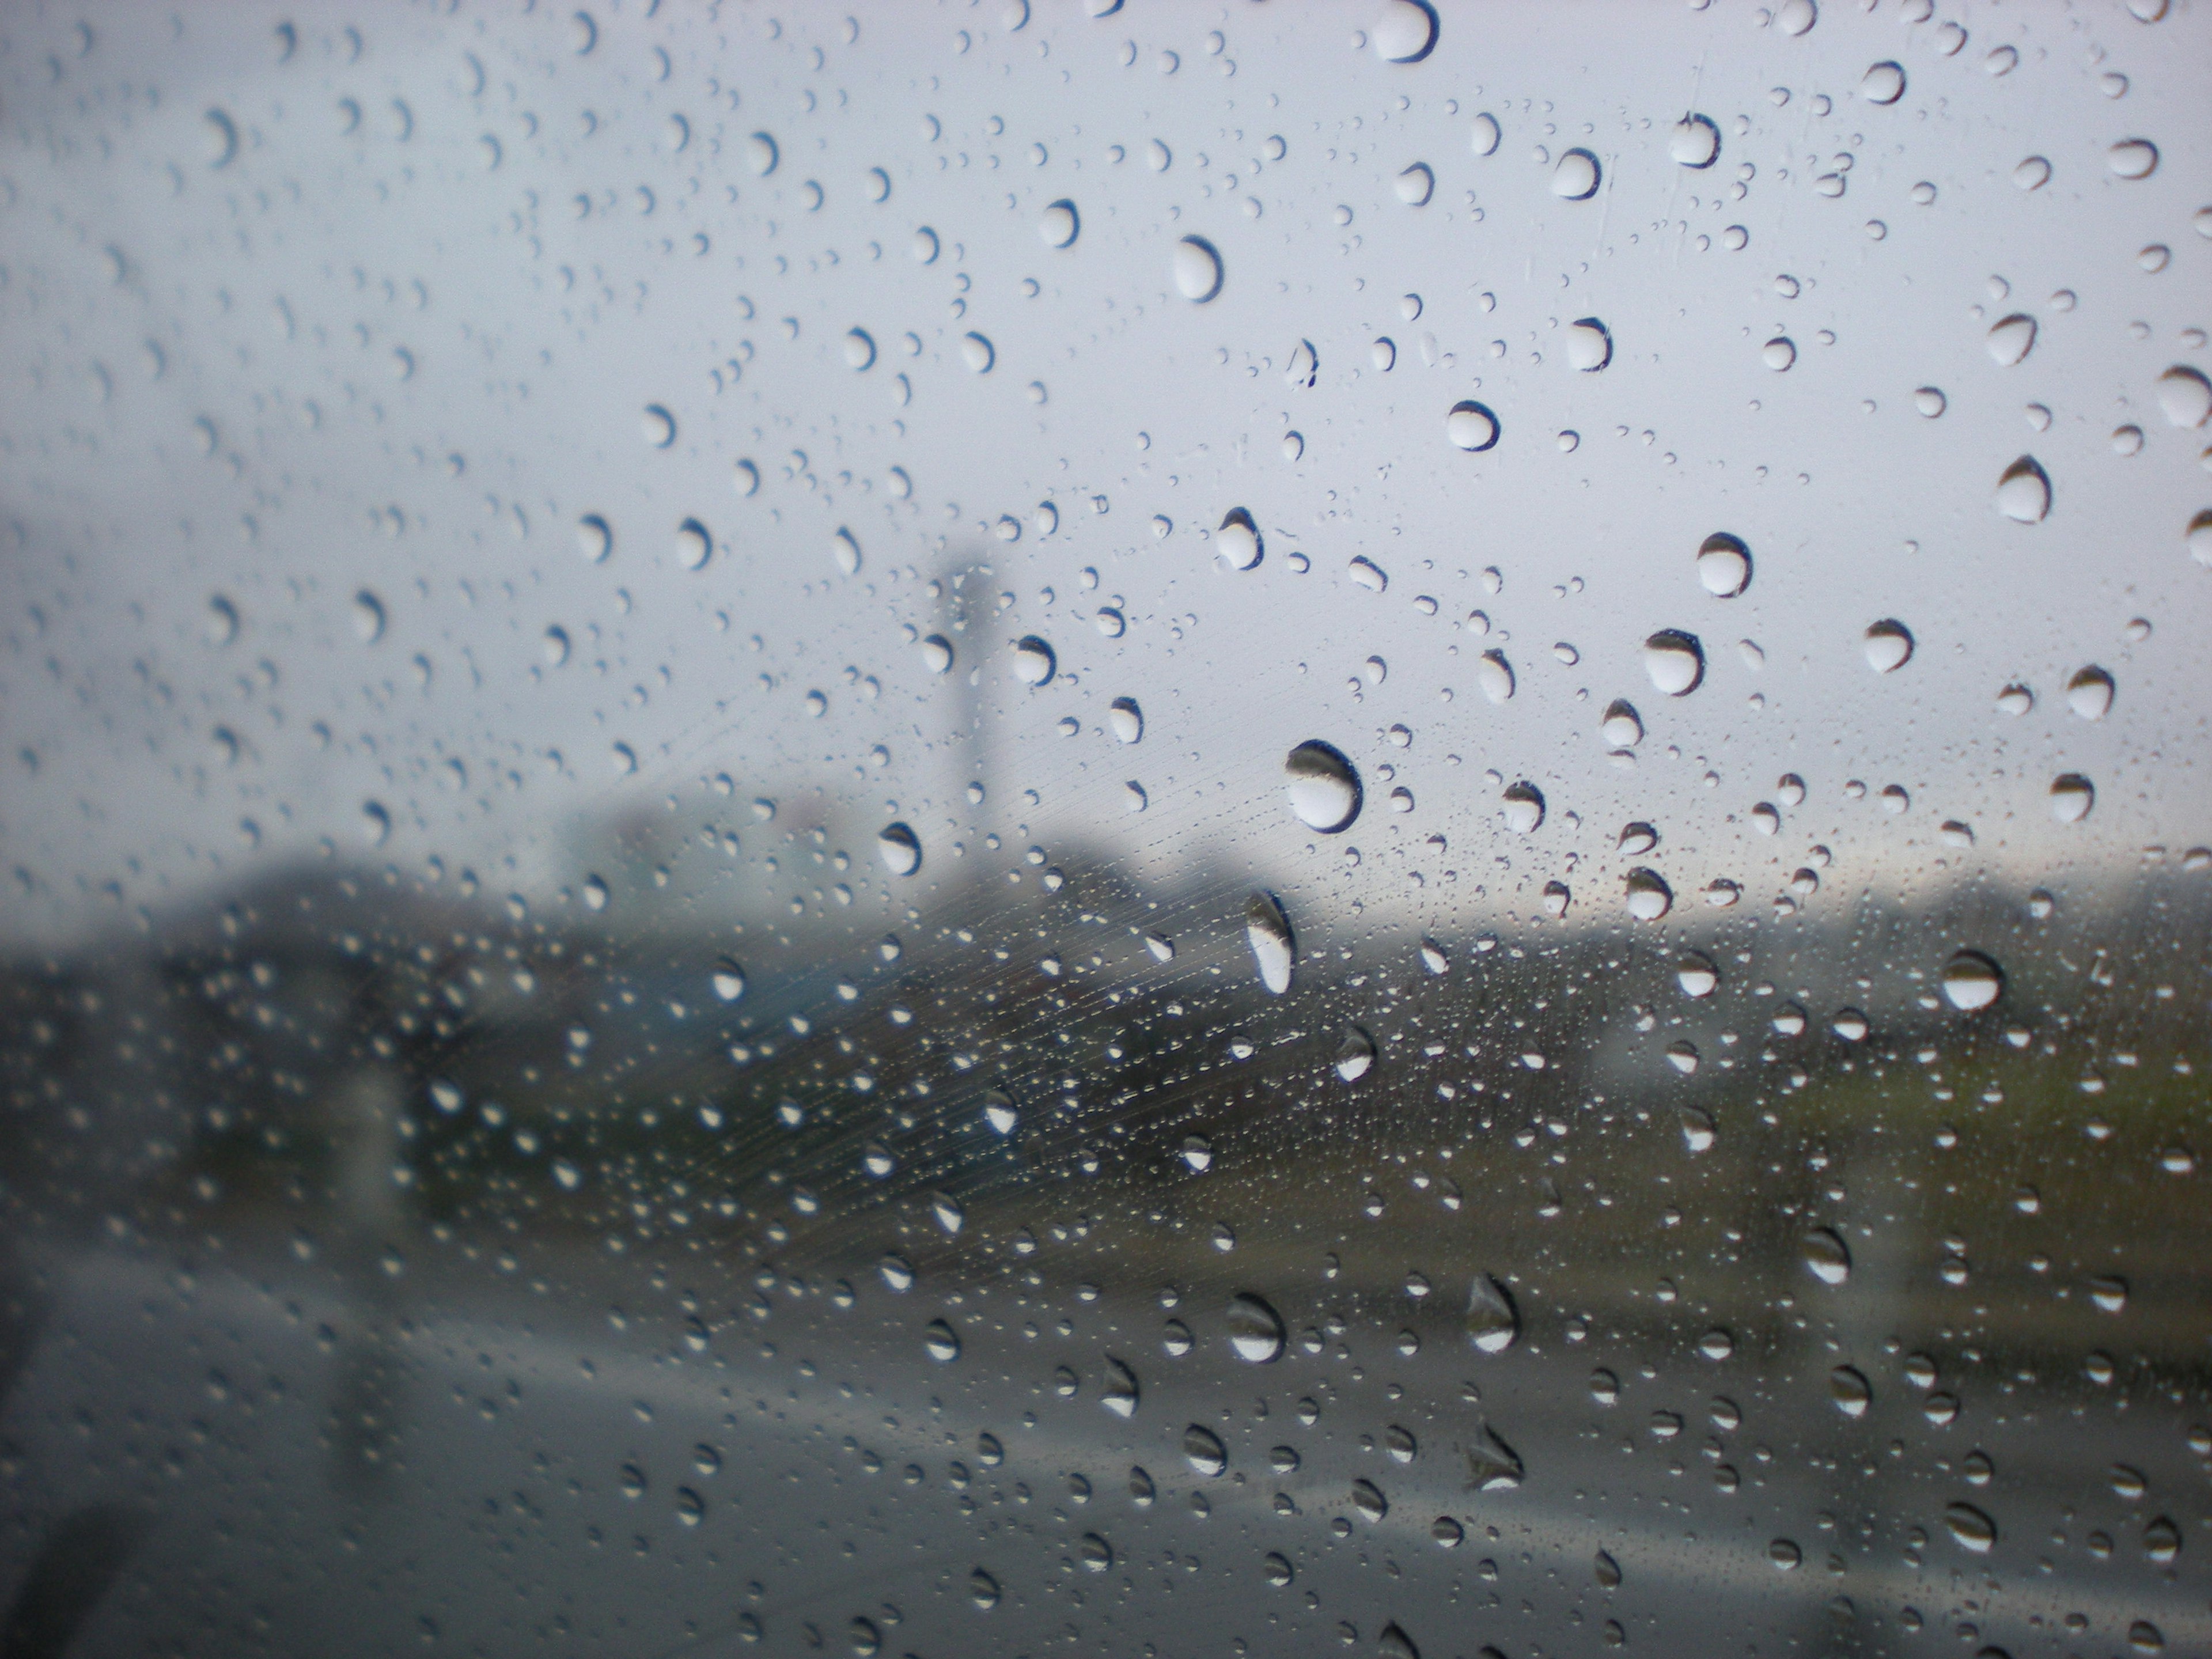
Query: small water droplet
2185, 396
1364, 572
999, 1111
860, 348
1785, 1554
1495, 676
1622, 728
1204, 1450
977, 352
1483, 137
760, 153
1695, 972
1525, 807
1323, 788
1696, 1129
1827, 1255
1415, 185
1929, 402
368, 617
940, 1342
1120, 1393
728, 979
937, 654
694, 545
1778, 353
1124, 719
1255, 1330
1197, 268
594, 539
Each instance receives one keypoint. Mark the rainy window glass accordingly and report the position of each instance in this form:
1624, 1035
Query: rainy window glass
1150, 828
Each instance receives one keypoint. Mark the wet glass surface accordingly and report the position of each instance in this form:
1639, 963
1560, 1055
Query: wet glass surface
1161, 829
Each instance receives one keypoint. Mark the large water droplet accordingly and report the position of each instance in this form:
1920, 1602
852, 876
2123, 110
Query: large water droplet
1204, 1450
1849, 1390
937, 654
2023, 493
978, 353
1795, 17
1525, 807
2072, 795
1622, 727
1971, 981
2185, 396
2011, 338
594, 539
657, 425
1696, 1129
1060, 224
1124, 719
860, 348
729, 980
1649, 896
1491, 1465
1197, 268
1415, 185
1034, 661
2089, 693
1589, 344
1884, 84
1120, 1393
1268, 931
940, 1342
1675, 661
1888, 646
1355, 1054
2133, 158
1493, 1321
368, 617
695, 545
1577, 175
1238, 544
1973, 1529
899, 848
1695, 141
1393, 1644
1486, 134
1779, 353
1827, 1256
760, 153
1695, 972
1495, 676
1323, 788
1406, 32
1256, 1330
1000, 1112
1471, 427
1723, 565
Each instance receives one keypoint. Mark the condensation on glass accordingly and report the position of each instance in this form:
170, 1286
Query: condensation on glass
1147, 829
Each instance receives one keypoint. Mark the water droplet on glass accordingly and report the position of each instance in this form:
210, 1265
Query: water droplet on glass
1355, 1054
1197, 268
368, 617
1495, 676
1393, 1644
1929, 402
657, 425
1060, 224
1268, 930
1577, 175
1471, 427
1493, 1321
2072, 795
1778, 353
1623, 728
977, 352
860, 348
940, 1341
1723, 565
694, 545
1483, 137
2133, 158
1367, 1497
1827, 1256
1035, 663
1124, 719
1491, 1465
937, 654
2033, 173
1364, 572
1204, 1450
1888, 646
728, 979
1323, 788
1971, 981
1120, 1392
1849, 1390
1884, 84
2109, 1294
1406, 32
1695, 972
1695, 141
1525, 807
1696, 1129
1675, 661
1589, 344
1785, 1554
2011, 338
899, 848
1649, 896
2089, 693
1255, 1330
593, 538
2185, 396
1415, 185
1973, 1529
1237, 543
1000, 1112
760, 153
